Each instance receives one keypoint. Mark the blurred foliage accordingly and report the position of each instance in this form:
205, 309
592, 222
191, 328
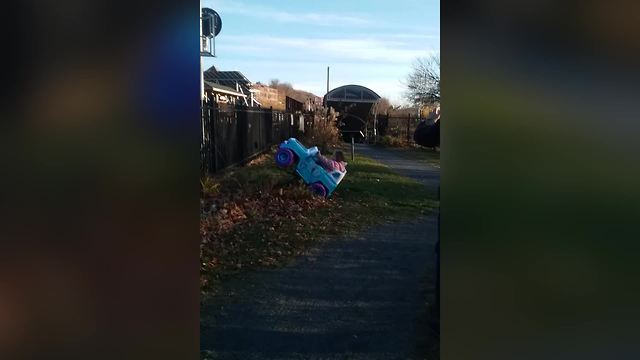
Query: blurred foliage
540, 205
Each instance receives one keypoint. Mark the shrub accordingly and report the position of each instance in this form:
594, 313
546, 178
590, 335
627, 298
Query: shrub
255, 179
392, 141
209, 186
324, 133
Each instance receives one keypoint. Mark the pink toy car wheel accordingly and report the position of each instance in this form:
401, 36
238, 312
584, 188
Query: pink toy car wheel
318, 189
284, 158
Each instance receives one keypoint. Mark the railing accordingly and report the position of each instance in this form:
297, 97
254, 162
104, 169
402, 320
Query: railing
233, 135
401, 127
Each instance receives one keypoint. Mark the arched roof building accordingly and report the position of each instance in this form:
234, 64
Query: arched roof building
354, 103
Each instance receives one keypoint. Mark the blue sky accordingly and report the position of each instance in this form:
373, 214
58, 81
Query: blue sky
369, 42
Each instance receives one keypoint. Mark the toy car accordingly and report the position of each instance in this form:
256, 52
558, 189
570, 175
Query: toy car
320, 181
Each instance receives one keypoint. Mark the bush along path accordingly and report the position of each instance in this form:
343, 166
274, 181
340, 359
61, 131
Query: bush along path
355, 296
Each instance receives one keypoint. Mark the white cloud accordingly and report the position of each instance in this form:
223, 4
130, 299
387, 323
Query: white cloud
309, 18
376, 63
327, 49
325, 19
373, 54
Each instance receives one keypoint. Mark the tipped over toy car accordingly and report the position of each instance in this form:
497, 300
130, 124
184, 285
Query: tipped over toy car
321, 182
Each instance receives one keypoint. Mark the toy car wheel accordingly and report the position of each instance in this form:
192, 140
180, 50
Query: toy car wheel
318, 189
284, 158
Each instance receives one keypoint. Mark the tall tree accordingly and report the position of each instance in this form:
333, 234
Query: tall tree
285, 88
423, 83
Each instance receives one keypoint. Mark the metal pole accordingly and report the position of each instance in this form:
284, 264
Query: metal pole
213, 40
326, 101
213, 120
353, 149
375, 127
327, 81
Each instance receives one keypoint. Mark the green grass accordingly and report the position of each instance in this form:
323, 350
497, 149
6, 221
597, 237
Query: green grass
373, 192
409, 150
370, 193
263, 176
426, 156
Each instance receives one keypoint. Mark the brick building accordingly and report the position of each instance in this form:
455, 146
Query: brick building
266, 93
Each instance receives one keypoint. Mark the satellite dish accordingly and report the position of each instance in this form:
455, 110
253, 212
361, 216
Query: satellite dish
211, 23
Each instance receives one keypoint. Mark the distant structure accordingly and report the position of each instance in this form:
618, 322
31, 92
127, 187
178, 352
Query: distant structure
266, 94
231, 81
313, 103
221, 94
355, 104
293, 106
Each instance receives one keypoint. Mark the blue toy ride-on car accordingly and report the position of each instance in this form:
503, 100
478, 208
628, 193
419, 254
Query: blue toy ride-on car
320, 181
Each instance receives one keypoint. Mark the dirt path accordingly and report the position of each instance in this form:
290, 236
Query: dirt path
353, 298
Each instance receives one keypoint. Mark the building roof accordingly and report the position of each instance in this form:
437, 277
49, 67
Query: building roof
226, 78
352, 94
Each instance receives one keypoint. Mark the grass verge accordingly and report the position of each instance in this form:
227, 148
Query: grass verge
262, 216
372, 193
427, 156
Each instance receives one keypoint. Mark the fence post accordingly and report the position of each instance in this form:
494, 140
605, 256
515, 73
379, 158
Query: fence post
291, 126
213, 122
375, 128
242, 133
353, 149
204, 151
208, 139
408, 125
269, 115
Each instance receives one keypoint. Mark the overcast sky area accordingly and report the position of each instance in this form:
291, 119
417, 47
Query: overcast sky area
371, 43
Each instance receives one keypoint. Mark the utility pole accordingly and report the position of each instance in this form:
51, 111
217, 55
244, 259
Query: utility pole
327, 80
326, 102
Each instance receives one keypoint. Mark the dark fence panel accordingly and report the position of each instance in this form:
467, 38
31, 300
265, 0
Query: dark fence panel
227, 126
256, 139
234, 135
207, 153
398, 126
282, 125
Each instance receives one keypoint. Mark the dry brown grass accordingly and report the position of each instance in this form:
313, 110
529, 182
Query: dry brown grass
324, 133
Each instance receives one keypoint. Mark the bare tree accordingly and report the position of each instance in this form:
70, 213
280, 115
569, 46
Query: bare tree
423, 83
383, 106
274, 83
285, 88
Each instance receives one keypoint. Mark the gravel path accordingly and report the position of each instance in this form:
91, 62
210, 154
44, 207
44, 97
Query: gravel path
352, 298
